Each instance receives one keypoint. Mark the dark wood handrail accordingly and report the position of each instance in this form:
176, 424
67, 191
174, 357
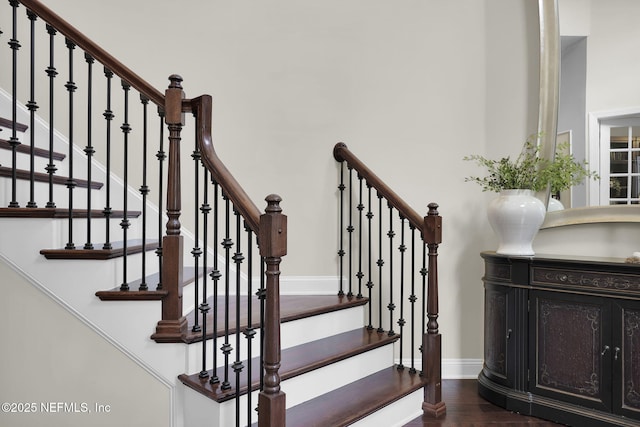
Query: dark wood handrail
95, 51
202, 108
341, 153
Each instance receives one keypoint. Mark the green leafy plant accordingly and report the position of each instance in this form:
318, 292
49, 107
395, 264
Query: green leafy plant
529, 171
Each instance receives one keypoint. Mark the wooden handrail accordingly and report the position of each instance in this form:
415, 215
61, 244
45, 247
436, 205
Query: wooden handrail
202, 108
341, 153
95, 51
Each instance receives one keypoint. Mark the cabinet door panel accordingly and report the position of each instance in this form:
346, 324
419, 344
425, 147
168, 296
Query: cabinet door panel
627, 362
495, 333
569, 338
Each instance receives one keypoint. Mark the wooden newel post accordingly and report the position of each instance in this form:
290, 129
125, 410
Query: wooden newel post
272, 240
431, 341
173, 324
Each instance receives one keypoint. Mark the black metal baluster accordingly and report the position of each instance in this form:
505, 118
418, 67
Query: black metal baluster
215, 276
423, 273
401, 321
161, 156
350, 230
249, 332
196, 251
360, 274
13, 140
124, 224
71, 184
238, 258
51, 73
89, 150
341, 252
370, 257
32, 106
413, 299
380, 263
391, 234
108, 116
227, 244
144, 190
204, 305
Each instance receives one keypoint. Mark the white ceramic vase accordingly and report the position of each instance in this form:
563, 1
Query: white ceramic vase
516, 217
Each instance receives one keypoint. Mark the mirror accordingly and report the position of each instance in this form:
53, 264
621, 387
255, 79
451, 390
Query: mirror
586, 50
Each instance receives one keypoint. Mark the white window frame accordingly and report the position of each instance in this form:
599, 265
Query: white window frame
598, 149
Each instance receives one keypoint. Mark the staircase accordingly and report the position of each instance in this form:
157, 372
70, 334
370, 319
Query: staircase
230, 338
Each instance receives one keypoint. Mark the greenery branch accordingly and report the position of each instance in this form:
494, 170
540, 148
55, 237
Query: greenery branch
530, 171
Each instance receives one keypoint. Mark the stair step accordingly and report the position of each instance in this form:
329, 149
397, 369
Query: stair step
134, 294
296, 361
292, 307
357, 400
26, 149
6, 123
60, 213
117, 250
44, 177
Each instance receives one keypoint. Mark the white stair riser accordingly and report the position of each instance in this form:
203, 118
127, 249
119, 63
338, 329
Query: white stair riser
292, 334
300, 389
396, 414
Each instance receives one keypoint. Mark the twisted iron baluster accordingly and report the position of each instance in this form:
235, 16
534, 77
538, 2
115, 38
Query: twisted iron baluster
32, 106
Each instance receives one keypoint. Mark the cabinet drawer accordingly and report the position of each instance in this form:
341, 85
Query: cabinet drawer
564, 278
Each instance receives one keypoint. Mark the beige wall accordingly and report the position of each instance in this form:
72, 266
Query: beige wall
410, 86
52, 360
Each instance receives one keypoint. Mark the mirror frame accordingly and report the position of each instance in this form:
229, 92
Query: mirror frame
550, 60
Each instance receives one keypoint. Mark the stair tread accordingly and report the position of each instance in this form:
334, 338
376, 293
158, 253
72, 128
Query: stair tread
60, 213
117, 250
44, 177
134, 294
26, 149
354, 401
7, 123
297, 360
293, 307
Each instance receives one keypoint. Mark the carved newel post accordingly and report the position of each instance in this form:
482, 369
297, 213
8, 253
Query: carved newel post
272, 240
173, 324
431, 343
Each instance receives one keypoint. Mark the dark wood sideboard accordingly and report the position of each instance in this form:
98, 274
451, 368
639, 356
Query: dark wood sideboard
562, 338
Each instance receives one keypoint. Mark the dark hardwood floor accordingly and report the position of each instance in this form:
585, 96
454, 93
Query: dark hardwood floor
465, 408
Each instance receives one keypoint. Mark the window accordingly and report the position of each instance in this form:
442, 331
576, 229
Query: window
620, 161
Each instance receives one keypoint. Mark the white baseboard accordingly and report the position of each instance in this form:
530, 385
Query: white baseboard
456, 368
